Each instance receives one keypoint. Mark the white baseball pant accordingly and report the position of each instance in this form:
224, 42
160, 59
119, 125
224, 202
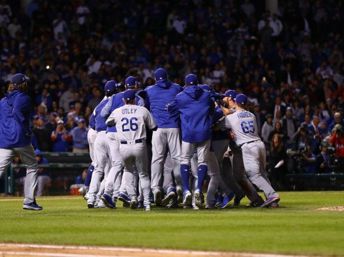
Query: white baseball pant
27, 156
163, 140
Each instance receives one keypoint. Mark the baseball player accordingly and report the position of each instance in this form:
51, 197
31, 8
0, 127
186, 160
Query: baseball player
15, 136
101, 147
91, 137
115, 102
236, 176
131, 123
244, 126
195, 106
167, 136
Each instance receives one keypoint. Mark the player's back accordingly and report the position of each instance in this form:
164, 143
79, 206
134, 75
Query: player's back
243, 124
195, 106
131, 121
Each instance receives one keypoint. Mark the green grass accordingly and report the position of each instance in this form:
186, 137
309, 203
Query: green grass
294, 228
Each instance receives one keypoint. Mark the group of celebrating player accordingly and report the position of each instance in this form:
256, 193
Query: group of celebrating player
193, 128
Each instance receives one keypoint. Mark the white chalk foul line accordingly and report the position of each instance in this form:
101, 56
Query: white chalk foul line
124, 249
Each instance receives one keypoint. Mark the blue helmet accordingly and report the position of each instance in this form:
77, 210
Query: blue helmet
160, 74
131, 82
191, 80
110, 87
230, 93
19, 78
241, 99
129, 94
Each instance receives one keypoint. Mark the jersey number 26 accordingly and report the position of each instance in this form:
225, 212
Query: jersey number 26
129, 124
247, 126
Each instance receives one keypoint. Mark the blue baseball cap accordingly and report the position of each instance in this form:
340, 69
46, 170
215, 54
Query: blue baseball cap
130, 82
38, 152
241, 99
191, 79
19, 78
230, 93
129, 94
160, 74
110, 86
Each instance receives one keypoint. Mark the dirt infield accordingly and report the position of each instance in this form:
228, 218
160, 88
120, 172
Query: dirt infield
25, 250
332, 208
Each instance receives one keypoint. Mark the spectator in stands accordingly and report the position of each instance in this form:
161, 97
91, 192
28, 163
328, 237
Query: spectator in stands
42, 134
267, 128
278, 162
289, 125
43, 179
337, 141
61, 138
79, 136
323, 159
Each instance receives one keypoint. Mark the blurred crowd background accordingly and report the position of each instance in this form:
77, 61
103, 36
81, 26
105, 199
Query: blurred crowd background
290, 64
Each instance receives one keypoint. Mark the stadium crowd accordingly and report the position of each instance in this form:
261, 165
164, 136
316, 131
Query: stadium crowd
290, 65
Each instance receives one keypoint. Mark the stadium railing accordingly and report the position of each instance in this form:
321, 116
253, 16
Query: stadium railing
66, 164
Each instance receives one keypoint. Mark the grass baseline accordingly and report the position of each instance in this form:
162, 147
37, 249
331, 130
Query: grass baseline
295, 228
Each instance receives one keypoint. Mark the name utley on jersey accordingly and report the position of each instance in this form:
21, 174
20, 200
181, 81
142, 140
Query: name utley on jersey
131, 122
244, 126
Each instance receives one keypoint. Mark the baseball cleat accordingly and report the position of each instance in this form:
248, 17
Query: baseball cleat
270, 200
147, 207
237, 200
123, 197
133, 204
187, 200
227, 200
107, 200
158, 198
198, 198
274, 205
140, 205
168, 198
33, 206
179, 195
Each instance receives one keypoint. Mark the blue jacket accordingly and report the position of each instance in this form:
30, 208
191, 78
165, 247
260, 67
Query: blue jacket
195, 108
114, 102
100, 124
15, 113
92, 122
158, 96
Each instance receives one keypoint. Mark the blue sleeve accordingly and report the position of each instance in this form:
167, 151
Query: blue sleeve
147, 102
218, 114
21, 109
92, 121
106, 111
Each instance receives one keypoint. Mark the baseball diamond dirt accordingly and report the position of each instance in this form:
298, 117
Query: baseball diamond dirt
24, 250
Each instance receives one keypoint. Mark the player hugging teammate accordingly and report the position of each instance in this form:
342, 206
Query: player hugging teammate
193, 129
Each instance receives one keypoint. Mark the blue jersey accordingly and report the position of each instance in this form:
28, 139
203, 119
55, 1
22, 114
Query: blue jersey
15, 113
195, 108
92, 122
100, 124
158, 96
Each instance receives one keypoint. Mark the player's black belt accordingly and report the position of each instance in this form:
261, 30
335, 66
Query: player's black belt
249, 142
136, 141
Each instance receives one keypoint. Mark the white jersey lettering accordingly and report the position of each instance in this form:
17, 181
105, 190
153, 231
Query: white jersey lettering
244, 126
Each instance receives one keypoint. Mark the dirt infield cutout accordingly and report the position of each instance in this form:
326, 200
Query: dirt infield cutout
15, 250
332, 208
